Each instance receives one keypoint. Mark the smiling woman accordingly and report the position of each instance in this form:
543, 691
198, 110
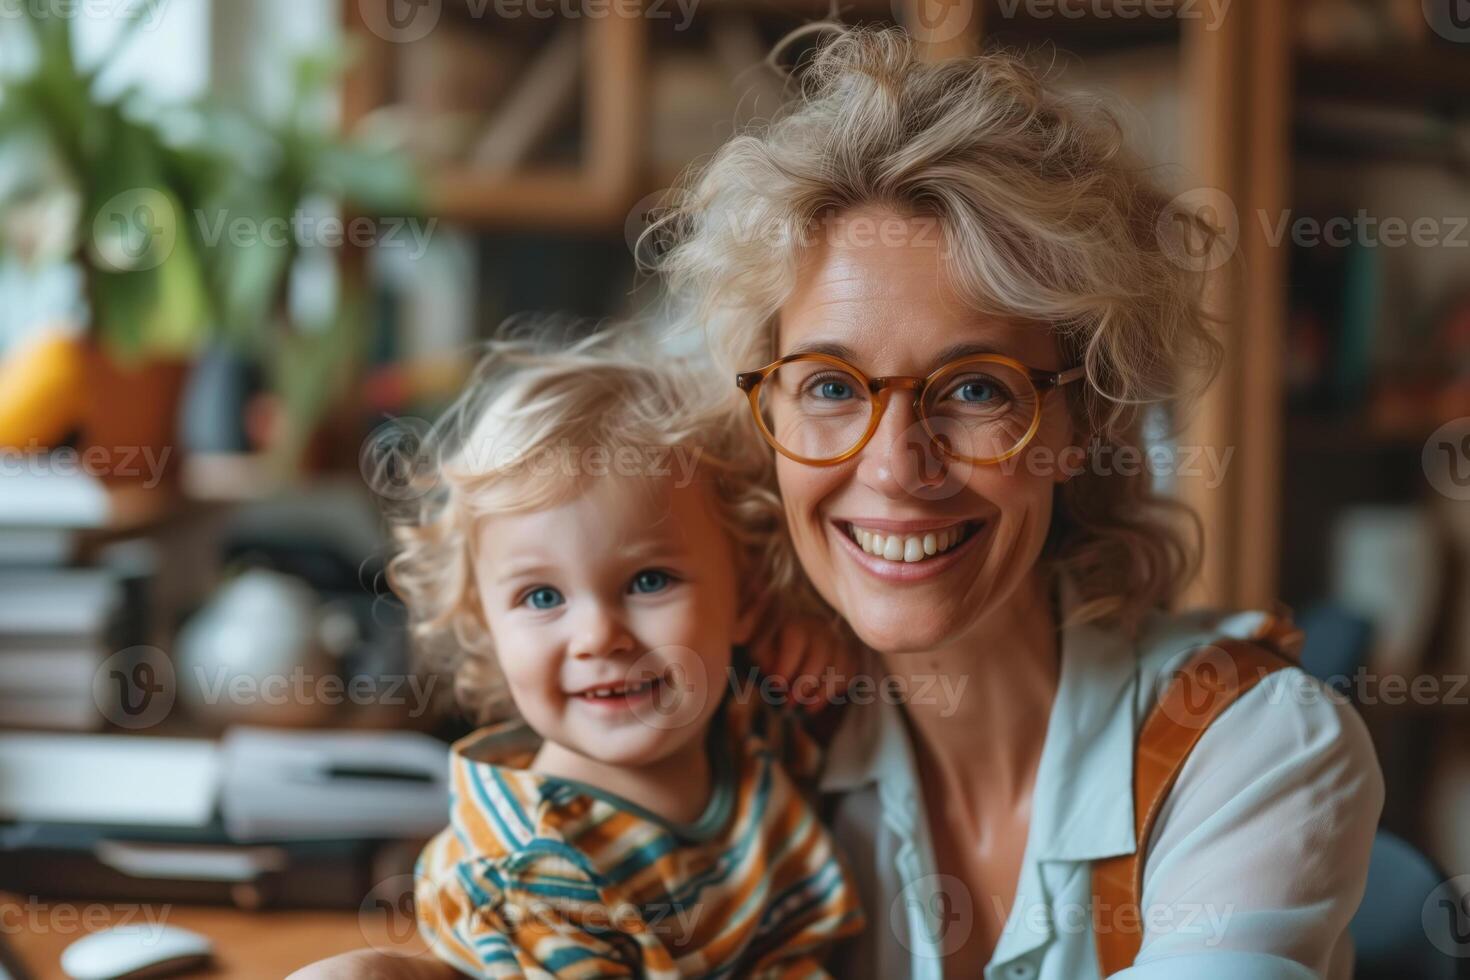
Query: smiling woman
948, 299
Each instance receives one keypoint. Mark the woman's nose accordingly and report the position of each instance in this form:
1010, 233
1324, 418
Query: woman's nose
599, 632
900, 460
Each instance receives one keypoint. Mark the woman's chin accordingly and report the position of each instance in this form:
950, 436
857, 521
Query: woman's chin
890, 627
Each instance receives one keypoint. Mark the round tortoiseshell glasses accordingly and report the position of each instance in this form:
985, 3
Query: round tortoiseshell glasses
820, 410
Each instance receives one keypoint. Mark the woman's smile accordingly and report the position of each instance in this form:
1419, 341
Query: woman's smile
907, 551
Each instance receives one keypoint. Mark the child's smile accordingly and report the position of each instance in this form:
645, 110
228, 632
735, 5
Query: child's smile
613, 617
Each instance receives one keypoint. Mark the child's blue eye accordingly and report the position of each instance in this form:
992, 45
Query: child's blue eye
649, 580
544, 598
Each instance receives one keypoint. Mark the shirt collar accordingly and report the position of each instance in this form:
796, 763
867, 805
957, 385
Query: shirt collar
1083, 800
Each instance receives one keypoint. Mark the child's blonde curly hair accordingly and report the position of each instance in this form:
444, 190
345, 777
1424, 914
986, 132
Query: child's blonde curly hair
540, 418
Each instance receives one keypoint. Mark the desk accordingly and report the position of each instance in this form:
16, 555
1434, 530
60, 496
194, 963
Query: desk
248, 945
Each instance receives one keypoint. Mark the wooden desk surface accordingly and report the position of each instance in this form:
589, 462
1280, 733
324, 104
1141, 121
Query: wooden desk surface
247, 945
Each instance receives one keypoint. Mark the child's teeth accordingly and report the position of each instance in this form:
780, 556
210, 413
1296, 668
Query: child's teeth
906, 548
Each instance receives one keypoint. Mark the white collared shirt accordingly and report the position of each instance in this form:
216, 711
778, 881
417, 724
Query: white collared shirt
1255, 865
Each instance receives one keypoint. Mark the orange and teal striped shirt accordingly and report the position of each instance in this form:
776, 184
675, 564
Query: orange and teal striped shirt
537, 876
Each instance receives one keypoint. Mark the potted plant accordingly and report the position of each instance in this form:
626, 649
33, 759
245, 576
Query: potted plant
136, 196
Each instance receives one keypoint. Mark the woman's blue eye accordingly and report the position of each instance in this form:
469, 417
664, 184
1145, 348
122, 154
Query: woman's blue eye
544, 598
649, 581
978, 391
835, 390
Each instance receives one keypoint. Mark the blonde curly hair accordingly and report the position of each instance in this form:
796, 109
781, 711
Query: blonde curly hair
519, 438
1046, 219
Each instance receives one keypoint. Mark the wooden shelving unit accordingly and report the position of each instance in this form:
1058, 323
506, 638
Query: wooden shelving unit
1241, 80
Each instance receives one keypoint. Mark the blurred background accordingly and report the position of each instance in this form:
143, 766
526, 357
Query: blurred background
245, 244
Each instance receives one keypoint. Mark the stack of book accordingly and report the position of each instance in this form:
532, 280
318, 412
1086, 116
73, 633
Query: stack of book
56, 620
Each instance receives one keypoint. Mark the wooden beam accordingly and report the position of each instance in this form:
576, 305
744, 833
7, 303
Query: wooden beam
1263, 325
1212, 108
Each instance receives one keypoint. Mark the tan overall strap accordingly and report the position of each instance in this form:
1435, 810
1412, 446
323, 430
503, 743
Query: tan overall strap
1209, 682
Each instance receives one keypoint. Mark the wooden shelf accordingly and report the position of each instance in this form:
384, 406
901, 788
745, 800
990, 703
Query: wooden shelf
558, 199
1433, 77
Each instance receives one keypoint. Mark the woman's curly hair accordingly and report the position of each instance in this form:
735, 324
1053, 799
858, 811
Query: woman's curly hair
1045, 218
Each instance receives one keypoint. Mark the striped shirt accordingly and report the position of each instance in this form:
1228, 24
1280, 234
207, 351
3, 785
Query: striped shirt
537, 876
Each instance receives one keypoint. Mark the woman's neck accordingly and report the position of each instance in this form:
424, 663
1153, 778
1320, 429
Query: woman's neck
676, 787
983, 727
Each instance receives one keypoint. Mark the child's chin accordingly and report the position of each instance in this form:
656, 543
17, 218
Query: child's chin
629, 749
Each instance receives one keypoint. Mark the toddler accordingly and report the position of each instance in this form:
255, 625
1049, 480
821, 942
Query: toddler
601, 542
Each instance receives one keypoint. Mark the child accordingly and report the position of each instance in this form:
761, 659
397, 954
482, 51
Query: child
601, 539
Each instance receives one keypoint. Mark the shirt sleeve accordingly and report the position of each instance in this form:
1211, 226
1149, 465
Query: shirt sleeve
527, 918
1258, 858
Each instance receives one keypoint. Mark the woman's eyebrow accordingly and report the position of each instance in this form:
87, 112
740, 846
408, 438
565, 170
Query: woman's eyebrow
827, 347
956, 351
951, 353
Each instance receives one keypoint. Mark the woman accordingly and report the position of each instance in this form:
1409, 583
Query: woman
980, 241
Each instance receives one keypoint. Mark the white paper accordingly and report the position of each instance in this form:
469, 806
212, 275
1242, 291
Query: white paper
108, 779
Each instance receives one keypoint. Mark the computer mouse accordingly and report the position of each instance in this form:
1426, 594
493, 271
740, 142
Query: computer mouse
135, 951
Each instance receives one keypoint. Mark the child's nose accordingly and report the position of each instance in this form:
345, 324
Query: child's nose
600, 633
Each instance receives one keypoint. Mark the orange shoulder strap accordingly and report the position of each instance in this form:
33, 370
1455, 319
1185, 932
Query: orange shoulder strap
1208, 683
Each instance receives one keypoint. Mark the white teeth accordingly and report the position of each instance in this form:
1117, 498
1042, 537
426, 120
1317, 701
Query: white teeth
906, 548
603, 693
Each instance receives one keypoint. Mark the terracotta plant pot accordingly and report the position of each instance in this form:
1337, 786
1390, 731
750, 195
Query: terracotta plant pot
130, 420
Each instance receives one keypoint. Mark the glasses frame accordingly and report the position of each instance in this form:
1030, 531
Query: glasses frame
1043, 382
